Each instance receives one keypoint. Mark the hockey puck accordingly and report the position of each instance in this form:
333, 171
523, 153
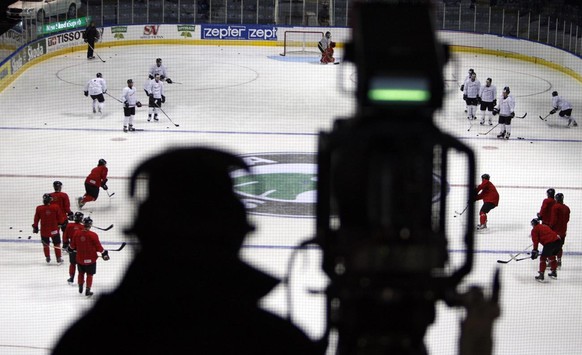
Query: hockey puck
36, 87
20, 231
10, 227
19, 237
29, 237
167, 127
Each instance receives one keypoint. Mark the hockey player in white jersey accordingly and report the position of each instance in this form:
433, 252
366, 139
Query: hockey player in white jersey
506, 111
95, 88
130, 101
160, 69
559, 103
471, 71
155, 91
471, 96
488, 95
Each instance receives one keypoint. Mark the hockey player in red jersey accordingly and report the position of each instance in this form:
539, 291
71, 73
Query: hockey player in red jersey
559, 222
546, 210
487, 192
86, 244
68, 235
96, 179
544, 235
61, 199
50, 218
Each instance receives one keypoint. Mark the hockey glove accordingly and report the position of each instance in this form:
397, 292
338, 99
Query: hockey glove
465, 97
104, 187
138, 104
105, 255
534, 254
168, 80
105, 91
126, 104
495, 111
86, 93
163, 99
70, 216
539, 217
512, 115
162, 77
34, 229
462, 87
494, 102
150, 77
553, 111
479, 99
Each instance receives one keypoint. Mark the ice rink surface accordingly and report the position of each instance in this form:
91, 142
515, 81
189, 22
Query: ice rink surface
249, 100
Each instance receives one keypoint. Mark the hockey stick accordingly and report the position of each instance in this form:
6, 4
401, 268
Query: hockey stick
97, 54
120, 248
525, 257
108, 194
164, 112
104, 229
492, 128
545, 118
513, 257
522, 117
114, 98
463, 211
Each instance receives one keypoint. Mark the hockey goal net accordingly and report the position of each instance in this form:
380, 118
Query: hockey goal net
301, 42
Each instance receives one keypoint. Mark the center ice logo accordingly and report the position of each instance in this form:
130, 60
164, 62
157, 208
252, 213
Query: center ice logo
281, 184
285, 184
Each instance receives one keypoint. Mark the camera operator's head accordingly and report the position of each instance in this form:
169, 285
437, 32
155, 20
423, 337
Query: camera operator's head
190, 198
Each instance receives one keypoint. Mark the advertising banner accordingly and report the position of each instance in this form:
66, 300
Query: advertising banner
27, 54
63, 25
239, 32
64, 40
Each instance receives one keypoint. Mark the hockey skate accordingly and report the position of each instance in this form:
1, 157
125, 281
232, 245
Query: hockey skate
553, 274
507, 135
149, 118
59, 261
94, 110
131, 129
80, 202
70, 280
81, 288
501, 135
125, 129
481, 226
88, 292
540, 277
156, 117
48, 259
490, 122
482, 122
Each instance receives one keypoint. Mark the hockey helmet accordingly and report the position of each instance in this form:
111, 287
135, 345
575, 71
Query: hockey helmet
78, 217
489, 80
551, 192
57, 185
102, 162
87, 222
159, 61
471, 71
555, 93
485, 176
47, 198
99, 75
560, 197
535, 222
129, 81
328, 34
506, 89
